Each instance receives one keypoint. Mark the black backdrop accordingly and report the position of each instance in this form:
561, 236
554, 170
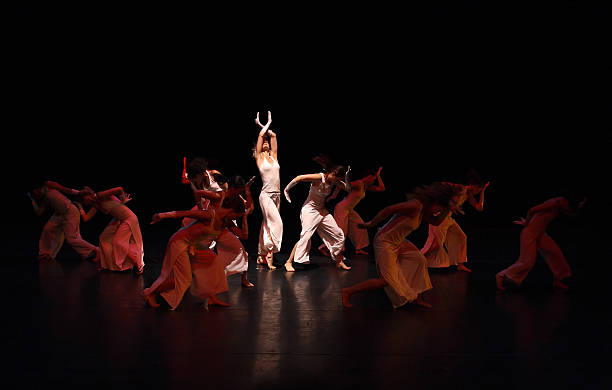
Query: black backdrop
106, 97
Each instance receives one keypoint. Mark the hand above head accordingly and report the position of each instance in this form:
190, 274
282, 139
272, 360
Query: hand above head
486, 185
521, 222
378, 173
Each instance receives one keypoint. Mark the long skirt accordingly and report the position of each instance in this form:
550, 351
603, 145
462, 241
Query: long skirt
231, 253
404, 268
208, 274
121, 245
175, 273
348, 220
446, 245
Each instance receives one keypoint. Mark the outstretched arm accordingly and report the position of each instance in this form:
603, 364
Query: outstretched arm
312, 177
117, 191
61, 188
408, 207
200, 215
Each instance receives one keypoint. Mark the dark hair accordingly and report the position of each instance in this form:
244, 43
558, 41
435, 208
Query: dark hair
236, 181
234, 203
437, 192
219, 178
328, 166
473, 178
197, 166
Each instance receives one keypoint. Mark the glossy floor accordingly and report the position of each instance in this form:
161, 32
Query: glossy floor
85, 328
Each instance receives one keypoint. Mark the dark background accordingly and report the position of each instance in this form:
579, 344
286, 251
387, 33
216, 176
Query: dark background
117, 96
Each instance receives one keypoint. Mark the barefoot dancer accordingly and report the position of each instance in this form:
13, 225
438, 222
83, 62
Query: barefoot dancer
400, 264
266, 157
534, 239
446, 243
347, 218
121, 241
191, 245
64, 224
210, 189
315, 217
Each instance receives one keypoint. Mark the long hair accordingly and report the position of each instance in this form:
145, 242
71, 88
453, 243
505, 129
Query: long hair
328, 165
436, 192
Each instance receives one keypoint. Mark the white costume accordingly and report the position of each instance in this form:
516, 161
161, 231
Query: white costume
121, 241
63, 225
399, 262
271, 231
315, 217
533, 239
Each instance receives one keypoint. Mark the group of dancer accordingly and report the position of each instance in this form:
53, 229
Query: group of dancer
208, 248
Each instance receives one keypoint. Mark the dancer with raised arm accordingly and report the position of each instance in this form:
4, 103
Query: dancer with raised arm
63, 224
121, 241
191, 245
534, 238
446, 243
345, 215
402, 268
266, 158
315, 217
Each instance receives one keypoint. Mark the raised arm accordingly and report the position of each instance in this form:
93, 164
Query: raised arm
117, 191
478, 205
273, 144
262, 133
200, 215
346, 184
380, 187
408, 207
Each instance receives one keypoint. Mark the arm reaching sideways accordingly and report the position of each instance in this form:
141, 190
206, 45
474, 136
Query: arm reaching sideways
312, 177
200, 215
409, 207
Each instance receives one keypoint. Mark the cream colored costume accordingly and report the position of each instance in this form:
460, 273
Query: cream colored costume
271, 231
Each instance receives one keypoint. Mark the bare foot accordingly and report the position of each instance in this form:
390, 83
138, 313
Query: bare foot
246, 283
499, 281
289, 267
346, 298
323, 249
214, 300
151, 300
139, 270
360, 252
420, 302
269, 261
463, 268
340, 264
559, 284
260, 259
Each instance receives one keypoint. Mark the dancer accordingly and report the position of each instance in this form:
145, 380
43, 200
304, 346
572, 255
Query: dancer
345, 215
402, 268
534, 238
63, 224
266, 158
121, 241
446, 243
315, 217
191, 244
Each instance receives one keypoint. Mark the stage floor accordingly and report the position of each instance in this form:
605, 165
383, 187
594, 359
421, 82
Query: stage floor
83, 328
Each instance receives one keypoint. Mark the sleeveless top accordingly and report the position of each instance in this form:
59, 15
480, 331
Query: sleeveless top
115, 208
317, 194
398, 228
270, 176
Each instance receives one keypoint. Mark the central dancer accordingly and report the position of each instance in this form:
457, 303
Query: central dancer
266, 157
315, 217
